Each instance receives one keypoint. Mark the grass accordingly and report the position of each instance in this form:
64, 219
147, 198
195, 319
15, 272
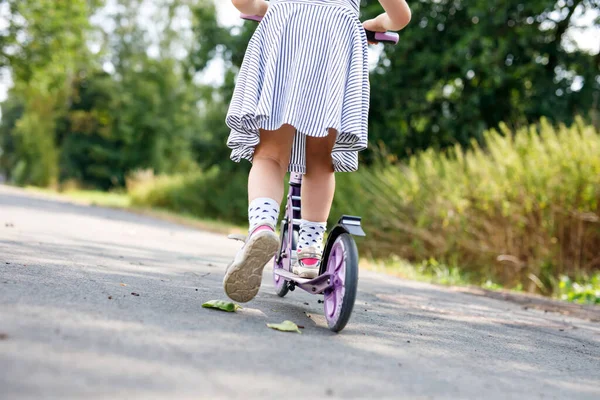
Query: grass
89, 197
583, 290
427, 271
586, 290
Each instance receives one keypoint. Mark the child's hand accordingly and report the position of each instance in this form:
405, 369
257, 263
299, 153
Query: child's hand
396, 17
251, 7
374, 25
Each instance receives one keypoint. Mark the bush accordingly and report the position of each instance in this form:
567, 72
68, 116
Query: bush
214, 194
586, 292
522, 211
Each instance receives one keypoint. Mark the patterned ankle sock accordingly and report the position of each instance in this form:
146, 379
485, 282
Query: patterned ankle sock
311, 234
262, 211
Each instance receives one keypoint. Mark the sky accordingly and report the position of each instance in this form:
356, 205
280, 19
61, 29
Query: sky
586, 38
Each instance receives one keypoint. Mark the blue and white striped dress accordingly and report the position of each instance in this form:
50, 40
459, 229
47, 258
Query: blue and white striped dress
306, 65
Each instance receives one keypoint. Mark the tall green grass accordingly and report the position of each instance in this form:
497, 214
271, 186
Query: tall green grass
520, 212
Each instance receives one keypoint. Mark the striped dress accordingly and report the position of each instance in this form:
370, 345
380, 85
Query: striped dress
306, 65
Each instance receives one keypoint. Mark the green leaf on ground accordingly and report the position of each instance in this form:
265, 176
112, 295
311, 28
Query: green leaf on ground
222, 305
285, 326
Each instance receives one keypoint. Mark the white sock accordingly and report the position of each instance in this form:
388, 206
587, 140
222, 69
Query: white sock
263, 211
311, 234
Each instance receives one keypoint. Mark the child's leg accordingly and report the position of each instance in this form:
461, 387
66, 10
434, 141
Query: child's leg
265, 190
318, 184
265, 182
318, 187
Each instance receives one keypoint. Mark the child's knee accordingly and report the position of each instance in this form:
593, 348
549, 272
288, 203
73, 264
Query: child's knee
277, 160
318, 154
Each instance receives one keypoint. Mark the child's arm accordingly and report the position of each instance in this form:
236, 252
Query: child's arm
396, 17
251, 7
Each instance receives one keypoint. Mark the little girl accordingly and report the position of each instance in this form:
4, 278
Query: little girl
300, 104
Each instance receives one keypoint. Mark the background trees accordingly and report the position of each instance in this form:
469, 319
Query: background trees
105, 88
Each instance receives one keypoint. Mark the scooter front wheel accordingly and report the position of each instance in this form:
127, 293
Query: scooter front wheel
342, 265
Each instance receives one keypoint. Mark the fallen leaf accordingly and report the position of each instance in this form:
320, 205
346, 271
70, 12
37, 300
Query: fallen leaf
123, 284
222, 305
285, 326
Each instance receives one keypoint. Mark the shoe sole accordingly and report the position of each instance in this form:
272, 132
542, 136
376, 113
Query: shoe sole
242, 280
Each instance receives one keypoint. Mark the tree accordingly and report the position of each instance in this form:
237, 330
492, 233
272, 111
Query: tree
464, 67
42, 52
81, 122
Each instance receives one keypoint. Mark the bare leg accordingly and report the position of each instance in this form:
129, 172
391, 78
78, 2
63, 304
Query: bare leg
318, 184
265, 191
270, 163
318, 187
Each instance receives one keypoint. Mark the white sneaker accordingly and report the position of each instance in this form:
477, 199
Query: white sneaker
244, 275
308, 264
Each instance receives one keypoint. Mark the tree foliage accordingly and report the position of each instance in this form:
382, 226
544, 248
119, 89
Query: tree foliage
43, 53
68, 118
99, 92
463, 67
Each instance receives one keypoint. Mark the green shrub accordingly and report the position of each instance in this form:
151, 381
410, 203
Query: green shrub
214, 194
586, 292
524, 210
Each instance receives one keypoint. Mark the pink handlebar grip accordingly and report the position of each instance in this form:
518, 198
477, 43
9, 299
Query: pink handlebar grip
256, 18
387, 37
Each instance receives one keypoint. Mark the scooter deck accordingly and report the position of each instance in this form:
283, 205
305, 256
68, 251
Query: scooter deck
291, 276
316, 285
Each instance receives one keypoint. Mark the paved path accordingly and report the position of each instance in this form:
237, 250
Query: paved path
69, 328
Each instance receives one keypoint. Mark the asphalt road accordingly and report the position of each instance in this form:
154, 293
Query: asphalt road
70, 326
